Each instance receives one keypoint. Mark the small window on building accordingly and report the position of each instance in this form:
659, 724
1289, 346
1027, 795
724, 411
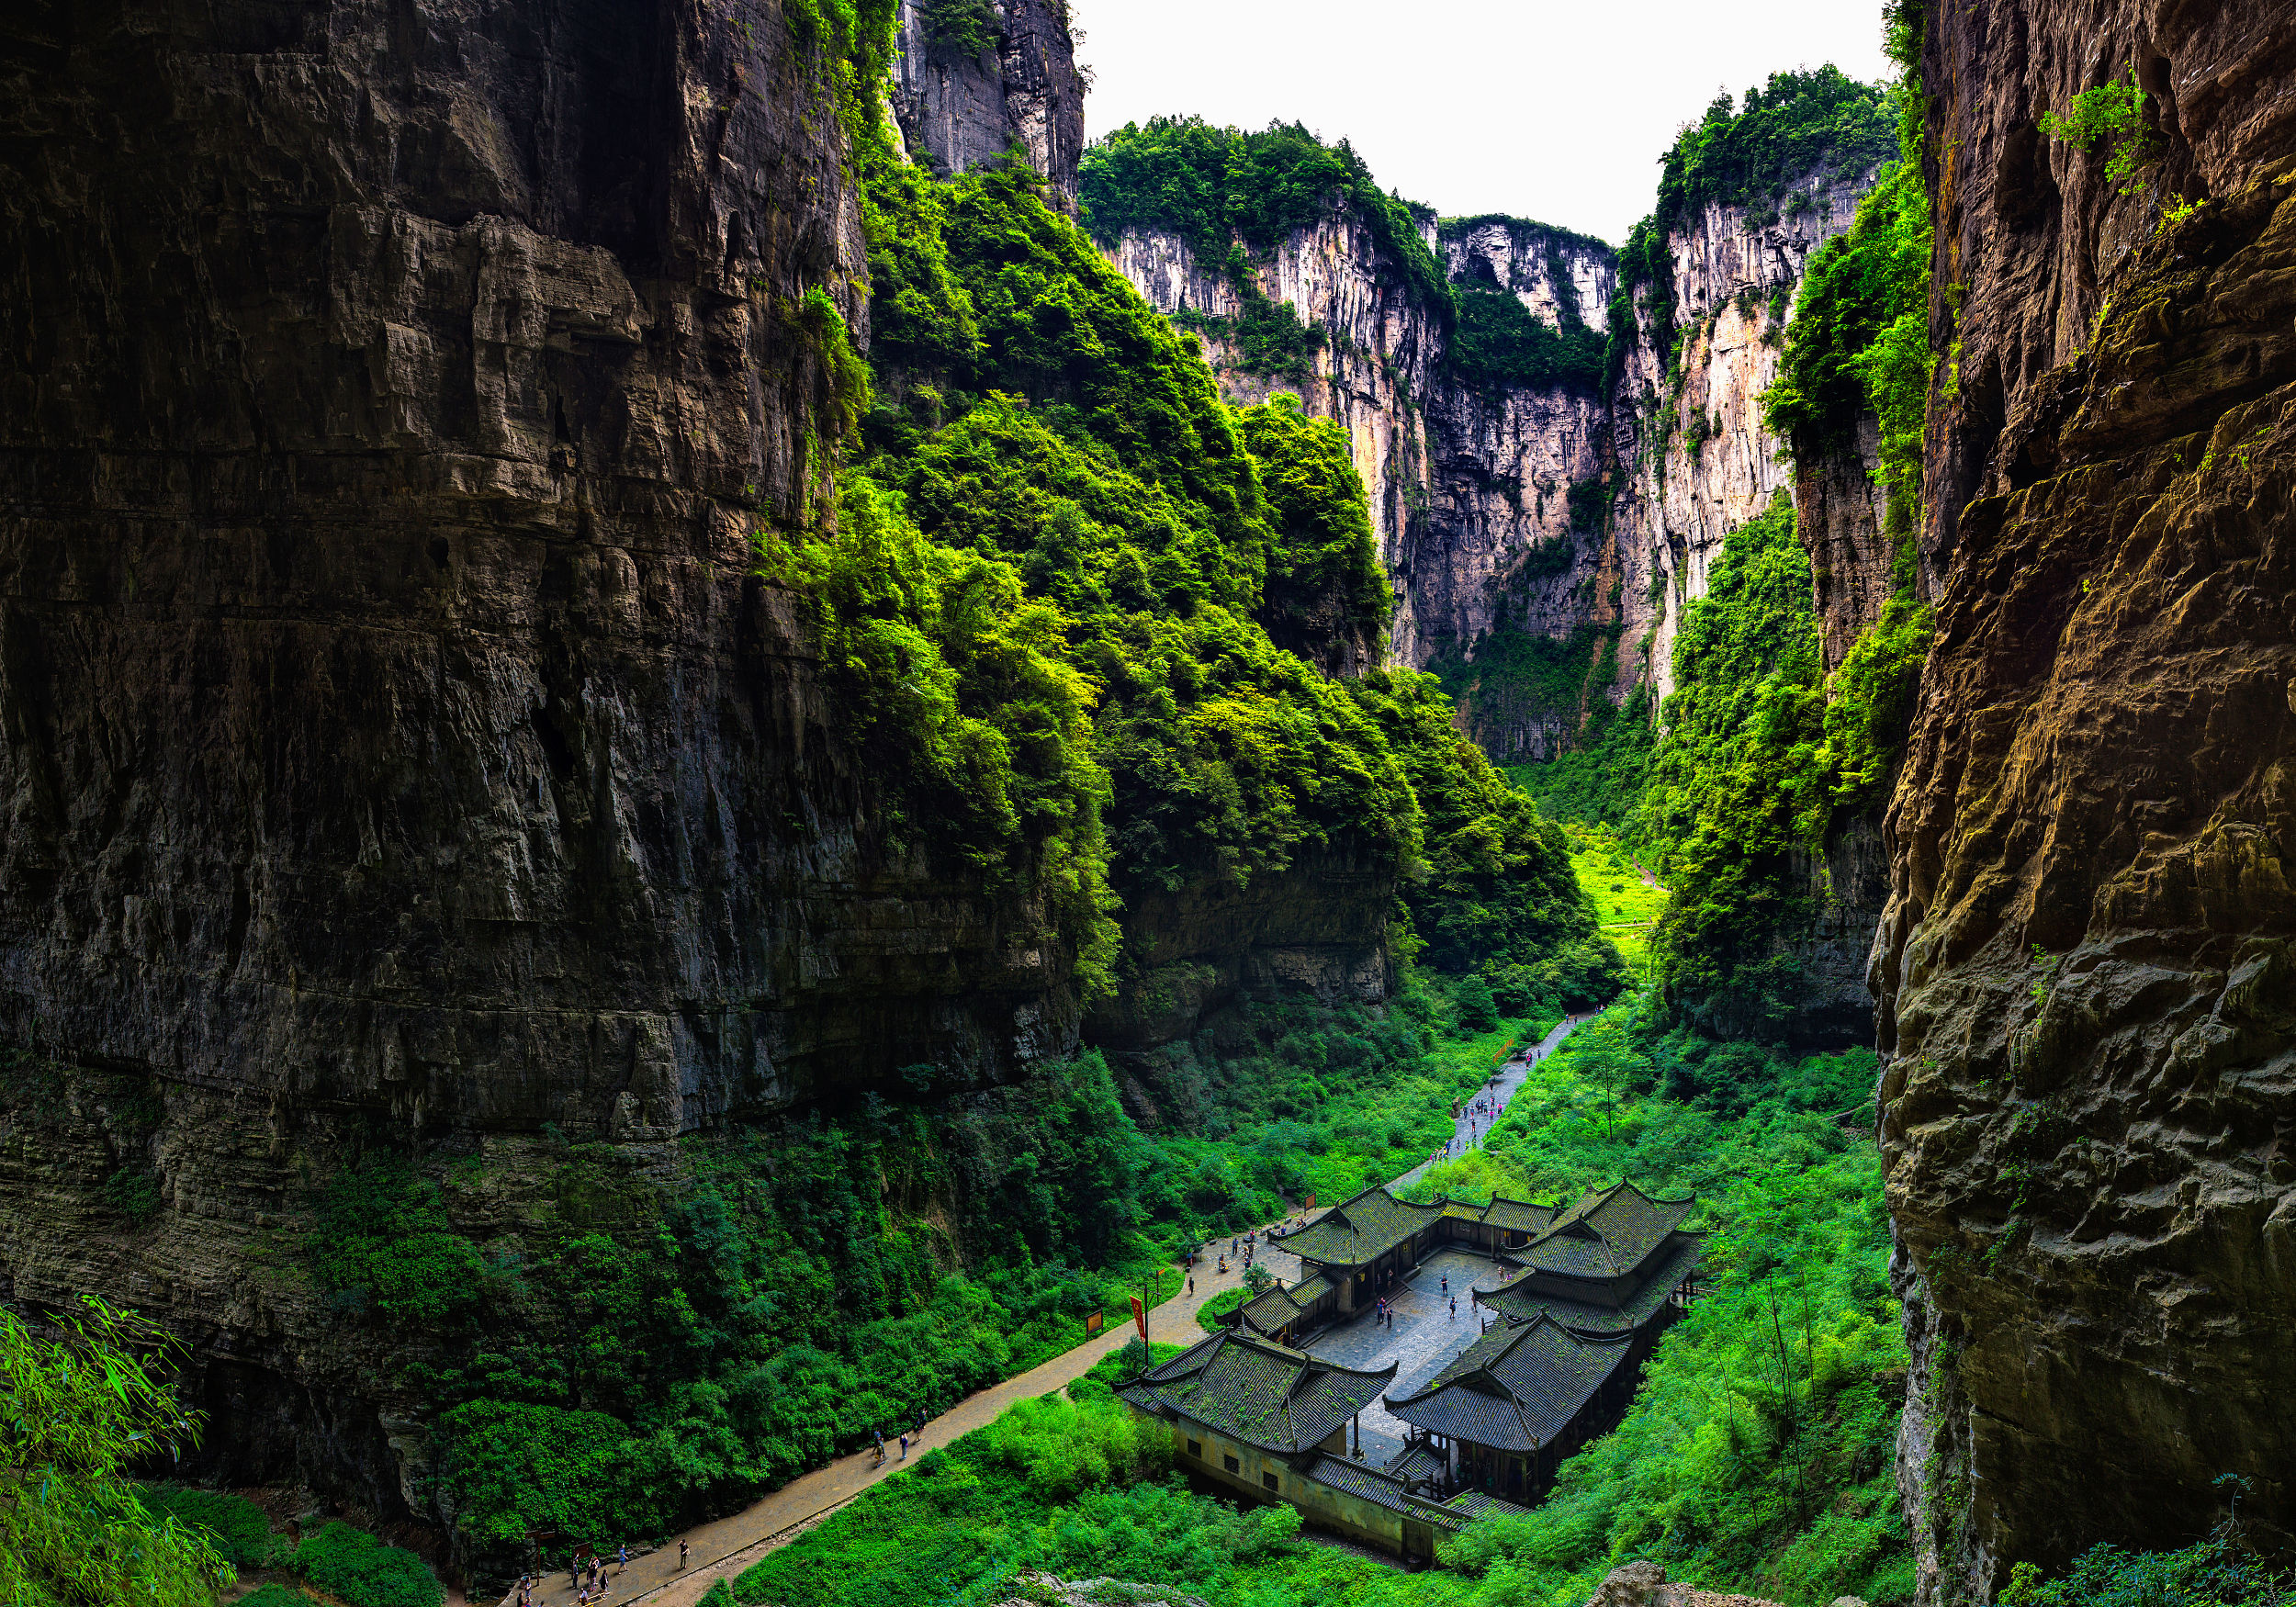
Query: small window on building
1271, 1481
1195, 1447
1231, 1464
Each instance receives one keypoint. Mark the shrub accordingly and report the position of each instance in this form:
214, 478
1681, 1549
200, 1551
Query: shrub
235, 1526
1208, 1314
366, 1572
2113, 114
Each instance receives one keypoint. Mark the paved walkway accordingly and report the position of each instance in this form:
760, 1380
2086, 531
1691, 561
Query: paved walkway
1466, 1132
724, 1548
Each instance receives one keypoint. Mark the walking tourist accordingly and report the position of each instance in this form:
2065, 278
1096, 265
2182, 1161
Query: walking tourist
1455, 1307
905, 1447
1191, 1284
878, 1437
682, 1556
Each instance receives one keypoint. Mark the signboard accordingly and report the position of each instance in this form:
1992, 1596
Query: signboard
1094, 1322
1139, 1319
1311, 1205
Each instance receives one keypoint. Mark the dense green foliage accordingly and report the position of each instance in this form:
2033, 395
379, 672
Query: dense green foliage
658, 1354
1324, 552
1817, 125
364, 1571
1599, 778
2220, 1571
2111, 114
238, 1529
958, 29
1501, 342
76, 1411
1734, 784
1859, 343
1757, 1457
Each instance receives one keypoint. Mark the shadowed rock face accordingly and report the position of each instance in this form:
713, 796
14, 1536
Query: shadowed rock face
2086, 974
960, 110
392, 718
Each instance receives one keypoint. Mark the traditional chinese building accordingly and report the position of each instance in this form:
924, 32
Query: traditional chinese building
1581, 1305
1268, 1422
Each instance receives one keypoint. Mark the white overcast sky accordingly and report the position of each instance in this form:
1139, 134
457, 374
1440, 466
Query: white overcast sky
1556, 112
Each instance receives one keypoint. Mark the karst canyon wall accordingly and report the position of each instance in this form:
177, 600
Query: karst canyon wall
398, 735
2087, 989
1472, 482
399, 739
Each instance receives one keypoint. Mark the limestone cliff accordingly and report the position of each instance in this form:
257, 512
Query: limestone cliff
1472, 480
965, 95
2085, 967
1691, 450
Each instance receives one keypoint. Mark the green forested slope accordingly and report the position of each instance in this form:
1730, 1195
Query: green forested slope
1756, 1458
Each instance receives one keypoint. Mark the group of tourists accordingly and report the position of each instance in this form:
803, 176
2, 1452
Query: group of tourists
587, 1571
915, 1430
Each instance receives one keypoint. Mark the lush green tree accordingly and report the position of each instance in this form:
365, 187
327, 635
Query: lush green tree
77, 1409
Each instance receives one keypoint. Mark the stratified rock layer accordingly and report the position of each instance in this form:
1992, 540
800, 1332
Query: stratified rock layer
394, 720
2088, 980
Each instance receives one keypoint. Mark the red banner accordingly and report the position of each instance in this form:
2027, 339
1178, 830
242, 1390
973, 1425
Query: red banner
1139, 1319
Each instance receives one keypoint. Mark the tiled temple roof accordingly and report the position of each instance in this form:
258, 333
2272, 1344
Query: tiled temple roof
1515, 1388
1263, 1393
1361, 1230
1518, 1302
1367, 1483
1608, 1233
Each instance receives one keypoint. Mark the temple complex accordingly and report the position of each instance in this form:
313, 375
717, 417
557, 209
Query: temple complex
1564, 1305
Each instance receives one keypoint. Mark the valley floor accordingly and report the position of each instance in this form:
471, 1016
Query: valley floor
724, 1549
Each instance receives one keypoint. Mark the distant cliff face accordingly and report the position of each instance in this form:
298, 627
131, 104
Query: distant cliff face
1695, 455
2086, 966
961, 108
1472, 480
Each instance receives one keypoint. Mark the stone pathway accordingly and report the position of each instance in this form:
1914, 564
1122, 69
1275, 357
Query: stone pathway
1467, 1130
722, 1549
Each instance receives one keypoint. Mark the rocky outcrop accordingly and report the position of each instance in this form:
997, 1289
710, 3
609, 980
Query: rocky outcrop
959, 109
2089, 954
1695, 455
394, 719
396, 741
1380, 346
1841, 512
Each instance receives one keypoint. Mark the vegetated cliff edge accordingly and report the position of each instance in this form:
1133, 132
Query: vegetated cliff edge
1557, 437
2086, 968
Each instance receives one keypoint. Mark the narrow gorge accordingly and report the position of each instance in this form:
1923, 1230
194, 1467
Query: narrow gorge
710, 735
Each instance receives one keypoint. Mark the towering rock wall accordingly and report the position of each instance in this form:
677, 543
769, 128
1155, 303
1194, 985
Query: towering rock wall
2087, 969
1692, 451
1380, 345
1471, 480
961, 108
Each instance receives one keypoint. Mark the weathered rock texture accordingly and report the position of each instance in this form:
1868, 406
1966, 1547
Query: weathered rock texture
393, 718
1470, 482
2088, 980
1733, 284
958, 111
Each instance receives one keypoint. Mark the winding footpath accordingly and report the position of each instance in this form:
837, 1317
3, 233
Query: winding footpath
724, 1548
